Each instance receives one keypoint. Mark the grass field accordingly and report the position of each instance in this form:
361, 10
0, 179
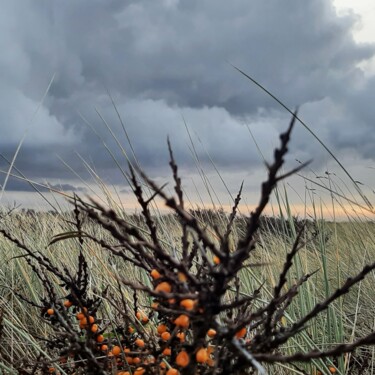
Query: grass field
339, 250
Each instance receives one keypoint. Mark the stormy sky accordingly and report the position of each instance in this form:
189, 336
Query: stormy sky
166, 69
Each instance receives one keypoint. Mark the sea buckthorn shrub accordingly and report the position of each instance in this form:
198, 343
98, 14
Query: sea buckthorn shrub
191, 316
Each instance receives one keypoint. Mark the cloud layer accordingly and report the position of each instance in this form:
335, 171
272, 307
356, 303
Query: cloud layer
169, 62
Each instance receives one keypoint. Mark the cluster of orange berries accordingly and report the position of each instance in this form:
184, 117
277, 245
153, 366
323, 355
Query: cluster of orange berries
124, 356
132, 351
203, 355
182, 358
85, 321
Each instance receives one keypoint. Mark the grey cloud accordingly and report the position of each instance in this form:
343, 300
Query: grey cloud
20, 185
164, 59
68, 187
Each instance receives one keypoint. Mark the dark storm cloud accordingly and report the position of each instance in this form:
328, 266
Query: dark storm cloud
15, 184
168, 60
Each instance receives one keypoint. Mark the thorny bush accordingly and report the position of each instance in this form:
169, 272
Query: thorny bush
197, 320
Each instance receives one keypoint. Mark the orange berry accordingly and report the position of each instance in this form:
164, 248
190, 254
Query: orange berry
91, 319
332, 369
163, 365
116, 350
155, 274
165, 336
136, 361
181, 336
68, 303
163, 287
182, 359
51, 370
201, 355
171, 301
104, 348
188, 304
99, 338
211, 333
155, 305
123, 373
182, 321
172, 371
167, 351
161, 328
94, 328
130, 329
142, 317
241, 333
216, 259
140, 343
182, 277
50, 311
129, 360
139, 371
80, 316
